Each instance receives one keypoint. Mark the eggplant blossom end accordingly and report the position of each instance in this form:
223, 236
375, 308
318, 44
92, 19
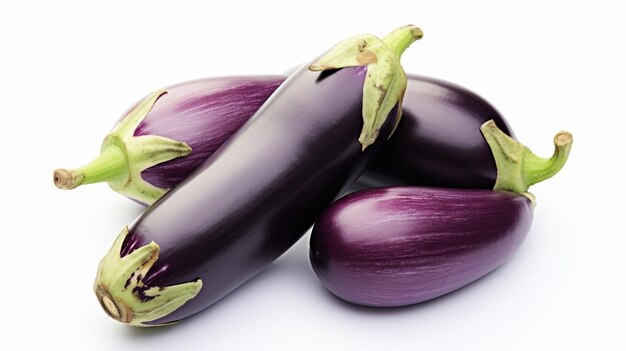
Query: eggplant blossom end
122, 293
517, 166
385, 81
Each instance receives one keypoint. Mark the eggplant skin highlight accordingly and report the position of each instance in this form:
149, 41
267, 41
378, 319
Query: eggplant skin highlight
261, 190
397, 246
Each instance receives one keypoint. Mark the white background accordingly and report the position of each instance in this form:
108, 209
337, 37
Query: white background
69, 69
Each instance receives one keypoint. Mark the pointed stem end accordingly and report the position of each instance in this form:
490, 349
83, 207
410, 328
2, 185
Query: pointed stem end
67, 179
367, 138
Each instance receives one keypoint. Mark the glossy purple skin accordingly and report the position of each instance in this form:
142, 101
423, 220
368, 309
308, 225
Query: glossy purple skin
260, 192
438, 141
204, 114
396, 246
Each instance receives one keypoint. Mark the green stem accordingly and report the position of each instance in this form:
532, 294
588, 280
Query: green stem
518, 167
110, 165
385, 81
401, 38
125, 156
538, 169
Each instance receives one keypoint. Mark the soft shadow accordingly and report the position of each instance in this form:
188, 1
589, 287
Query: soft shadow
325, 74
293, 263
122, 207
354, 187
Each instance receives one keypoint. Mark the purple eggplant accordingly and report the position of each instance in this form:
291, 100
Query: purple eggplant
150, 149
396, 246
437, 143
261, 190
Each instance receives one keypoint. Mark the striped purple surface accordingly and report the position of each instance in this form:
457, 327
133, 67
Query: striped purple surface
204, 114
397, 246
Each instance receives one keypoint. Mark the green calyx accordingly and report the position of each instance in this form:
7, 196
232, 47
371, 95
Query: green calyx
119, 284
518, 167
385, 81
124, 156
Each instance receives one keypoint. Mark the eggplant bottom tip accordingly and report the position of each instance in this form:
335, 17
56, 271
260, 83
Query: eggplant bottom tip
109, 305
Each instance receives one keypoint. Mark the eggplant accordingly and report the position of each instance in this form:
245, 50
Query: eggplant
260, 191
397, 246
150, 149
401, 245
437, 143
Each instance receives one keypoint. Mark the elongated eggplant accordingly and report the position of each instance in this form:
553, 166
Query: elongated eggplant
259, 192
396, 246
438, 142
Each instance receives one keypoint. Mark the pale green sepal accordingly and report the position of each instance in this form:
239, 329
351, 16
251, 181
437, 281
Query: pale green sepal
530, 197
143, 152
385, 81
379, 100
518, 168
124, 156
119, 278
354, 51
398, 116
133, 118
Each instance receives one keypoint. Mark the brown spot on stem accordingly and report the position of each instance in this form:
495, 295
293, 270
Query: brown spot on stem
563, 138
366, 57
62, 178
362, 45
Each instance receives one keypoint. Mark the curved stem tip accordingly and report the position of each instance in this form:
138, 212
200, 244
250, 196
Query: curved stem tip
518, 167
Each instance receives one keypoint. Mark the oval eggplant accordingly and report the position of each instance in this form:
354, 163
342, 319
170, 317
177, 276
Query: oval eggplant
438, 142
396, 246
259, 192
